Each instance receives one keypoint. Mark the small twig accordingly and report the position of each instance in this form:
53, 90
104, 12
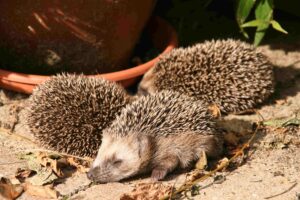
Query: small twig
14, 134
173, 188
276, 195
188, 185
54, 152
244, 112
206, 186
11, 163
77, 190
260, 115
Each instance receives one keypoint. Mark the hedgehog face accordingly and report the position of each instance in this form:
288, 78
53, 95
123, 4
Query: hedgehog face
147, 85
118, 158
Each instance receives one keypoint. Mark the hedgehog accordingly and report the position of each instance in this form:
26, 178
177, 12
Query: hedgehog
156, 133
68, 112
230, 74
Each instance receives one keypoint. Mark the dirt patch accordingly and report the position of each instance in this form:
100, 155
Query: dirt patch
271, 170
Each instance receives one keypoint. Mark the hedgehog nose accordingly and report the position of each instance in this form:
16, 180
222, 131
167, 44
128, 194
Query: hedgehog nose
91, 174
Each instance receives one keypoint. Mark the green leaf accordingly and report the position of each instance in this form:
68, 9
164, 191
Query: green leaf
264, 12
259, 35
243, 10
254, 23
245, 34
278, 27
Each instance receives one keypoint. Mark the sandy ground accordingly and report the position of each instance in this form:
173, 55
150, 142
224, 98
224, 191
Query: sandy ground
271, 170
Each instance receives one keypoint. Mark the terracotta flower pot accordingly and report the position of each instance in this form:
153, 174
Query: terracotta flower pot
86, 36
163, 37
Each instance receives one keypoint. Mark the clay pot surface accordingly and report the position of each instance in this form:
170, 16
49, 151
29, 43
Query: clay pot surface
163, 37
89, 36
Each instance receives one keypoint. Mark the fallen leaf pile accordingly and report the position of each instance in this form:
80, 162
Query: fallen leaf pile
80, 165
54, 166
148, 191
11, 191
44, 169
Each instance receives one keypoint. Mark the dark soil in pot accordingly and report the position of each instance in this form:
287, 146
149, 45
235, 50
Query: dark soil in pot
50, 36
143, 52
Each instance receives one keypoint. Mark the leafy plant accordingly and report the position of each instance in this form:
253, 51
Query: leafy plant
263, 10
199, 20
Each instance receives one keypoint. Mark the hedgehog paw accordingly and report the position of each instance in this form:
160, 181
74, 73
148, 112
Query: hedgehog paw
158, 174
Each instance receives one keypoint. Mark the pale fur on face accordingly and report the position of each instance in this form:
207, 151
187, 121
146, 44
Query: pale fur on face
118, 158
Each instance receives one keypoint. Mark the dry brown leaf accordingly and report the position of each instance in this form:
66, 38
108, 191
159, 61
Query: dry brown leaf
81, 166
195, 174
46, 161
202, 162
223, 163
214, 110
148, 191
42, 174
231, 139
8, 190
15, 181
46, 191
58, 165
22, 174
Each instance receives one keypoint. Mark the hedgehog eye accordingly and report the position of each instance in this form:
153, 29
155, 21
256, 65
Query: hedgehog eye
117, 162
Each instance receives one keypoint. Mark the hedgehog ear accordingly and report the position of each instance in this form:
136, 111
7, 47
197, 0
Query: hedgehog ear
144, 145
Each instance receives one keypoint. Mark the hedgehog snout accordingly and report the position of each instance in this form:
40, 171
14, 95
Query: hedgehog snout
92, 173
101, 175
